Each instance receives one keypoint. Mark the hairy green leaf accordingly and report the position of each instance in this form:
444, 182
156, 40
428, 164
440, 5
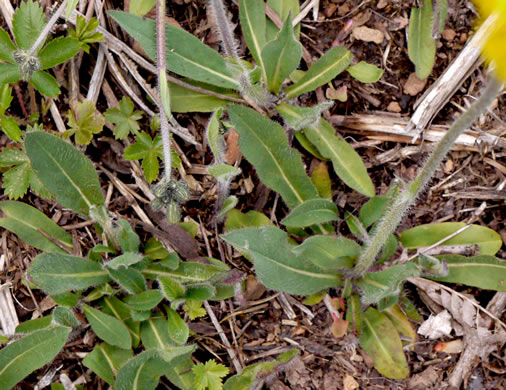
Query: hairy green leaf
426, 235
380, 340
113, 306
58, 51
64, 171
265, 145
372, 210
188, 272
65, 317
108, 328
255, 373
146, 300
187, 100
311, 212
329, 253
421, 45
486, 272
16, 180
333, 62
34, 325
27, 23
57, 273
172, 289
277, 267
20, 358
130, 279
252, 19
155, 333
238, 220
105, 360
283, 8
125, 260
178, 330
321, 179
28, 223
142, 372
365, 73
346, 161
281, 56
186, 55
382, 284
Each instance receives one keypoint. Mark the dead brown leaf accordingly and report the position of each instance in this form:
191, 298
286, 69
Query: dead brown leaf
414, 85
367, 34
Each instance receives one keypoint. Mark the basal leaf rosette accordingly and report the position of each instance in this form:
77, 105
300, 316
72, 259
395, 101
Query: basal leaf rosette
493, 48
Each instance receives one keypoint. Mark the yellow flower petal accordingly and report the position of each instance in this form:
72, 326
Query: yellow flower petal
494, 49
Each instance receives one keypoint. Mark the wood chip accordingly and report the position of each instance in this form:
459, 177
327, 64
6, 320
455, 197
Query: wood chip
414, 85
367, 34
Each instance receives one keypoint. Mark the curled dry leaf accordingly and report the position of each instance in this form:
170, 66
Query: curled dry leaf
367, 34
436, 326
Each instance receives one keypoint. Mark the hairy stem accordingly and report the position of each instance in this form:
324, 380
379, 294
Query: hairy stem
162, 69
43, 35
224, 30
408, 194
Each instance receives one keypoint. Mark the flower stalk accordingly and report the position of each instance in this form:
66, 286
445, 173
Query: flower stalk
407, 195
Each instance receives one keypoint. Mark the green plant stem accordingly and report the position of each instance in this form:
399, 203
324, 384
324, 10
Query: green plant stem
43, 35
408, 194
162, 68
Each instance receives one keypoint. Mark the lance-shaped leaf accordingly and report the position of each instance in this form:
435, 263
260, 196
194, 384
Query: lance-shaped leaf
372, 210
130, 279
171, 289
105, 360
178, 330
31, 326
281, 56
65, 317
186, 55
354, 313
283, 8
27, 23
256, 373
311, 212
215, 137
333, 62
108, 328
146, 300
113, 306
155, 333
346, 161
252, 19
64, 171
144, 370
486, 272
421, 45
125, 260
379, 338
20, 358
379, 285
29, 223
277, 267
321, 179
365, 73
57, 273
329, 253
426, 235
188, 272
265, 145
187, 100
58, 51
401, 322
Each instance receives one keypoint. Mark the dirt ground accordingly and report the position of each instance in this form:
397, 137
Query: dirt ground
271, 323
